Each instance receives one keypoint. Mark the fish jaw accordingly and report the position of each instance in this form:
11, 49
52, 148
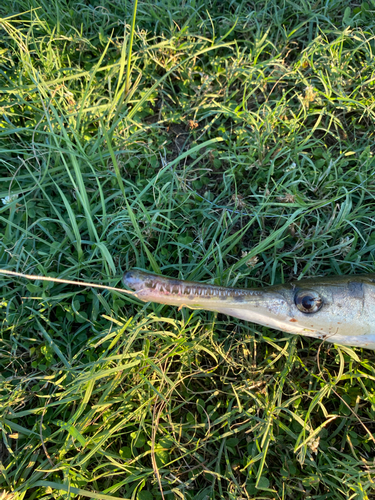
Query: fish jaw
266, 307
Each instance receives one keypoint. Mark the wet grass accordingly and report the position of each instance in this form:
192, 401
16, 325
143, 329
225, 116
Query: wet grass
235, 147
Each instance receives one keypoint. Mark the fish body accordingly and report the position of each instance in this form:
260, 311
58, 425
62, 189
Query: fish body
339, 309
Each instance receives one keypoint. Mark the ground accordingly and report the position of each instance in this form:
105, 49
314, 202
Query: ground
227, 142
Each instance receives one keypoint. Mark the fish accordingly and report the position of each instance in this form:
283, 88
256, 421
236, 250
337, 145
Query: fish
337, 309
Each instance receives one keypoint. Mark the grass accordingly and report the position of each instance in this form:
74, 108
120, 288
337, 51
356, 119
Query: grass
240, 154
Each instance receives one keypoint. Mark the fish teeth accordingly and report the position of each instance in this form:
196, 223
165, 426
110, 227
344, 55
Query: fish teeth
200, 291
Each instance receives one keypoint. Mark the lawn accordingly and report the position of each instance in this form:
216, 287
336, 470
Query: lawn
228, 142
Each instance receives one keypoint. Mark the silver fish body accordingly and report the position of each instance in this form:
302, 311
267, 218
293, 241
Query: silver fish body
339, 309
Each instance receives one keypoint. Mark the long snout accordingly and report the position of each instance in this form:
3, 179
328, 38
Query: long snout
234, 301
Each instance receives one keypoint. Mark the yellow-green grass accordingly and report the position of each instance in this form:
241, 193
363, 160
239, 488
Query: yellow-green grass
232, 142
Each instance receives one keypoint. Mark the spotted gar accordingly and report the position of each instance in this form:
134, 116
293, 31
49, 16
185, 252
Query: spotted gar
339, 309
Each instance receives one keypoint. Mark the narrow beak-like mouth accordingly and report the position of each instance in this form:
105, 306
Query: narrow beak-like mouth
149, 287
266, 307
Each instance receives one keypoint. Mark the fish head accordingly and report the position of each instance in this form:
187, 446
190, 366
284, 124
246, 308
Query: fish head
325, 308
332, 308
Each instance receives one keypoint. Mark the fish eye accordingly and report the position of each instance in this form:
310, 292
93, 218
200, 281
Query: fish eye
308, 301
